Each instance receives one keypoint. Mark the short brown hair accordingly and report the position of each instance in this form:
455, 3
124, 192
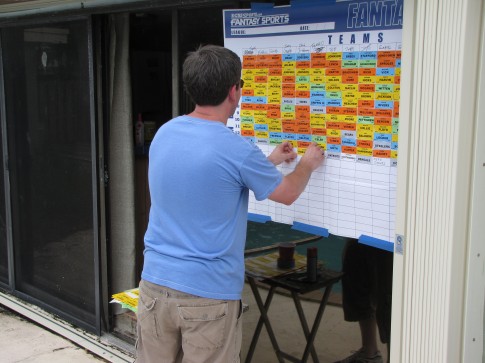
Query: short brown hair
209, 73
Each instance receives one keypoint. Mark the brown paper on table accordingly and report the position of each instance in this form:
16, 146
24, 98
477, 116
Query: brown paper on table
266, 266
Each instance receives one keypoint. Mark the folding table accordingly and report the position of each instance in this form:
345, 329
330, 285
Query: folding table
296, 284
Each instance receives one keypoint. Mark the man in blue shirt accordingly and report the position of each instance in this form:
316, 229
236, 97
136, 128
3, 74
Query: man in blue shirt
200, 174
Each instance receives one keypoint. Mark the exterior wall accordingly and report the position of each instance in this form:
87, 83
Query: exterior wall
474, 336
438, 115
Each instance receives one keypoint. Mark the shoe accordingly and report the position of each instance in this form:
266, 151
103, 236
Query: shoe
359, 357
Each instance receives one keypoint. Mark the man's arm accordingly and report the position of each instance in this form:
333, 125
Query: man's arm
294, 183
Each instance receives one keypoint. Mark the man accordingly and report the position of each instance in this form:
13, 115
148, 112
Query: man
200, 174
367, 298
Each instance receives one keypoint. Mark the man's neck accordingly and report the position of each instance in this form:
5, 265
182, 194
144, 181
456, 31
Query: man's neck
209, 113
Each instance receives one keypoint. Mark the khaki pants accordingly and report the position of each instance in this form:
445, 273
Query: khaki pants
175, 327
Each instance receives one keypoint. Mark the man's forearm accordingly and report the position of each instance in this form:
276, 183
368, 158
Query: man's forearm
292, 185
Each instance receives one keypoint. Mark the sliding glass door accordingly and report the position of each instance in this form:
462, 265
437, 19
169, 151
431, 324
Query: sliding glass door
48, 87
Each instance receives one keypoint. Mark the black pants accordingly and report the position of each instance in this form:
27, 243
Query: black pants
367, 285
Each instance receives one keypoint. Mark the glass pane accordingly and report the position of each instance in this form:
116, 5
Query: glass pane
48, 123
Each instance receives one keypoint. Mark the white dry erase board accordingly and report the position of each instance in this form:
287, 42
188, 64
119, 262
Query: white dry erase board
325, 72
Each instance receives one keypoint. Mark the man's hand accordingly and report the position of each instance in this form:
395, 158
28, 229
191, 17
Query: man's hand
283, 152
313, 156
294, 184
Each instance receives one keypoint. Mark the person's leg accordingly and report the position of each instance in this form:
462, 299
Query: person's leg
358, 298
211, 330
177, 327
158, 338
368, 332
384, 273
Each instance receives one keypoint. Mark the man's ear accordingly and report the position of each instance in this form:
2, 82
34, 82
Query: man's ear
233, 93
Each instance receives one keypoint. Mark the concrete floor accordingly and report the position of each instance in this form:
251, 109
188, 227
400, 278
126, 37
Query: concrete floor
335, 339
23, 341
26, 342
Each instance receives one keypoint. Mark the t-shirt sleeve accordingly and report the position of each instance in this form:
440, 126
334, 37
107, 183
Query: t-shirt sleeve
259, 174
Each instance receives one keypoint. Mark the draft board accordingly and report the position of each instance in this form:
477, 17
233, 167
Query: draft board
325, 72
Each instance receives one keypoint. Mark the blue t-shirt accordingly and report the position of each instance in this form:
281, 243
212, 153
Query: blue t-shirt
199, 175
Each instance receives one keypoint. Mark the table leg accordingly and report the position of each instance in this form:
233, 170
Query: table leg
263, 319
311, 337
304, 325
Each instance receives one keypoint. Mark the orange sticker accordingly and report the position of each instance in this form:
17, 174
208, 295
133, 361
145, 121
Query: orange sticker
349, 111
247, 132
366, 103
304, 144
333, 125
319, 131
288, 93
367, 71
366, 112
334, 110
365, 143
290, 128
333, 71
386, 62
288, 86
275, 71
382, 113
261, 79
303, 64
386, 54
274, 113
367, 87
382, 153
247, 106
334, 63
350, 78
333, 140
304, 130
260, 107
302, 94
274, 107
349, 149
289, 79
318, 56
349, 126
